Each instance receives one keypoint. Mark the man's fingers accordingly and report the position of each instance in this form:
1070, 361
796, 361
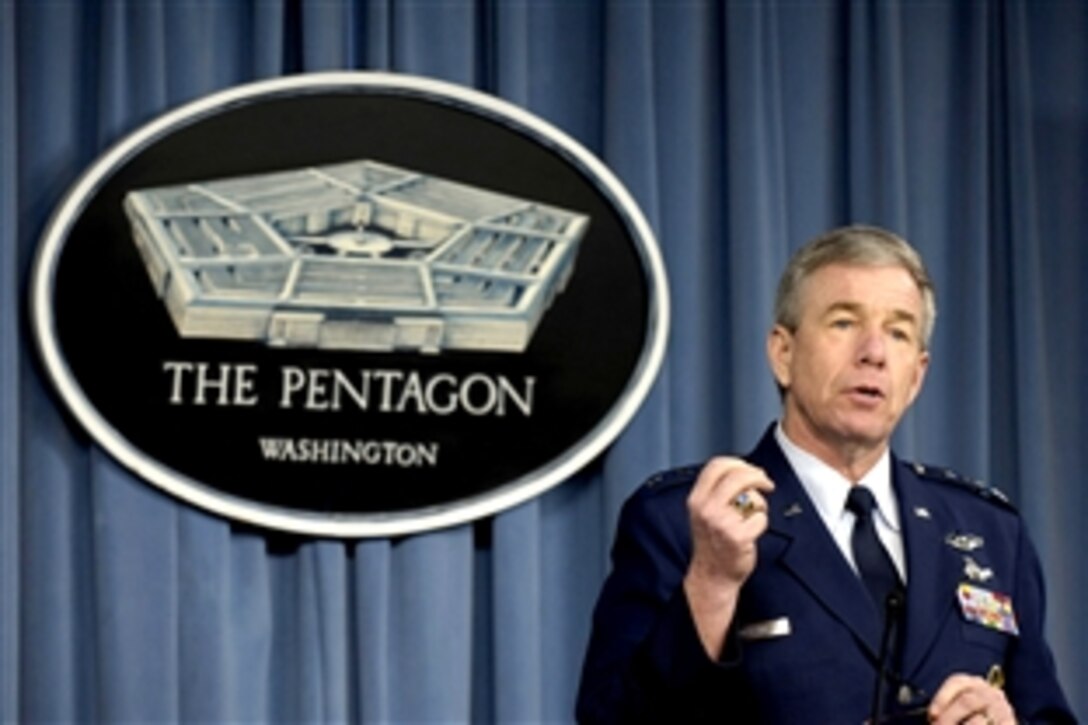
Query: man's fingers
968, 699
723, 480
950, 690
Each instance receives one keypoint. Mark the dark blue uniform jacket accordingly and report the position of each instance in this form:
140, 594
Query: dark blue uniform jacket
804, 643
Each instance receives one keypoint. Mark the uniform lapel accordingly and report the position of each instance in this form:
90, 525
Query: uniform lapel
798, 541
932, 573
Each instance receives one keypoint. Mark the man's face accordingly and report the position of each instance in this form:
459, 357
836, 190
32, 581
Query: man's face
855, 362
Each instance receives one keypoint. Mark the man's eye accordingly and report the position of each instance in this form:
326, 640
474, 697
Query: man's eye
842, 323
901, 335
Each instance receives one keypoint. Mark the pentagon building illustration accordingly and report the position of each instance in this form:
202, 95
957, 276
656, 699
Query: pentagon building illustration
354, 256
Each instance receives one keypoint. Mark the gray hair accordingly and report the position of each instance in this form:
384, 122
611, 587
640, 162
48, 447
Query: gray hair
855, 245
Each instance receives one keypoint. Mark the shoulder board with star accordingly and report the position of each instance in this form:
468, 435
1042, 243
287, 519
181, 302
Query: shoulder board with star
950, 477
673, 476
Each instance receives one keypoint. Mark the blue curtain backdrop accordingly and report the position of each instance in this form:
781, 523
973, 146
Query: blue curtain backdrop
742, 128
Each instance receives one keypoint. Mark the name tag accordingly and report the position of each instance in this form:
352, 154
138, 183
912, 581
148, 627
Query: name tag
768, 629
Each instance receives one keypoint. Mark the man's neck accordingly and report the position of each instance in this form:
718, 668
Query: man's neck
852, 459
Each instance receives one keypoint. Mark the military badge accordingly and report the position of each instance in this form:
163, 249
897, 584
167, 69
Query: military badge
990, 609
975, 572
964, 542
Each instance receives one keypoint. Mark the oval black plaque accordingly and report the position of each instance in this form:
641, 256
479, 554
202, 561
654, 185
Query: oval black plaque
350, 304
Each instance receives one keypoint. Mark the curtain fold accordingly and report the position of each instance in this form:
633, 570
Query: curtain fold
742, 129
517, 613
756, 214
11, 372
373, 638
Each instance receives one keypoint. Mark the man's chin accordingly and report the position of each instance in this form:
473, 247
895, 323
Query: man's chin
866, 434
869, 440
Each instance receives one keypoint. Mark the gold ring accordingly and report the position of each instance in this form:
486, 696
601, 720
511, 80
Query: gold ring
745, 504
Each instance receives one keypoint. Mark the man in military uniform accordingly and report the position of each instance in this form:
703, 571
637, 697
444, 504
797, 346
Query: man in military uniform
821, 579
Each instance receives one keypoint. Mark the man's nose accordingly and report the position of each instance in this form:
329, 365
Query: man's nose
872, 349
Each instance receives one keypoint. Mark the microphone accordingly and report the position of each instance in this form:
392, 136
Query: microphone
893, 605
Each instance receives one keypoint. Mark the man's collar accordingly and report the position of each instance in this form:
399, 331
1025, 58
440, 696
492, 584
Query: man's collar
828, 488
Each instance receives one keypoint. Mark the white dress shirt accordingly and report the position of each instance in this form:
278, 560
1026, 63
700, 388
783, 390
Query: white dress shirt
828, 490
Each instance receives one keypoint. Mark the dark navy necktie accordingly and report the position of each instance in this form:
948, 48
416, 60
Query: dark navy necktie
874, 565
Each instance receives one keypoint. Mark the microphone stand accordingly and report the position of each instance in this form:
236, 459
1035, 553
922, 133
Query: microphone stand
893, 603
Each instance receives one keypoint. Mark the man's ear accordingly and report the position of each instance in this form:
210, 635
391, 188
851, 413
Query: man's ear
920, 369
780, 354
